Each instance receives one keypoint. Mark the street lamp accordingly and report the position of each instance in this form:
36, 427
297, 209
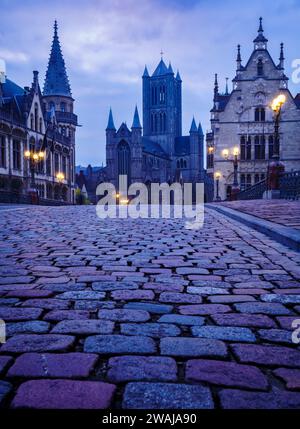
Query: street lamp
235, 189
60, 178
217, 177
275, 168
34, 159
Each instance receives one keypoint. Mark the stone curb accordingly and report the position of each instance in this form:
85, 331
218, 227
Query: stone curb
282, 234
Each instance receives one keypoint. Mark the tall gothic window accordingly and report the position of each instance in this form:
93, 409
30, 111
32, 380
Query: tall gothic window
260, 67
164, 122
48, 164
17, 155
248, 181
56, 163
36, 111
124, 160
2, 152
162, 94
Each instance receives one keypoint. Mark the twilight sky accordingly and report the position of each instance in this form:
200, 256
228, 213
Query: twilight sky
106, 44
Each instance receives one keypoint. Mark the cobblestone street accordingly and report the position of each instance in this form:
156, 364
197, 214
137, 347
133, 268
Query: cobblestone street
145, 313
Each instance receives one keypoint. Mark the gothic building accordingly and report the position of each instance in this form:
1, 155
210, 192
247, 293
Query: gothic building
158, 152
39, 122
243, 118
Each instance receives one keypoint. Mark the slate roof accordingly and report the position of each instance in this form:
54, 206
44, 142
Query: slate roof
182, 145
56, 82
154, 148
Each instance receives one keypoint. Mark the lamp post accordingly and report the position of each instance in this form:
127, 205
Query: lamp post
276, 167
60, 178
34, 159
235, 189
217, 177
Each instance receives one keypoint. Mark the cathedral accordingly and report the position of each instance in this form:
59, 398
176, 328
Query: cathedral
156, 152
41, 125
242, 121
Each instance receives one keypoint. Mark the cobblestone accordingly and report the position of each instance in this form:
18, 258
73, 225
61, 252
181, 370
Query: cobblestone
165, 317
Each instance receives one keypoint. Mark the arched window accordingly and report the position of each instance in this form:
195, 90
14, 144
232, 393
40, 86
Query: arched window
184, 164
31, 144
271, 146
260, 67
164, 122
156, 123
31, 121
41, 125
124, 160
152, 123
178, 164
161, 122
181, 163
63, 106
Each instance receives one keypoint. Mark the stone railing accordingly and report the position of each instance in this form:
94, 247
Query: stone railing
290, 185
255, 192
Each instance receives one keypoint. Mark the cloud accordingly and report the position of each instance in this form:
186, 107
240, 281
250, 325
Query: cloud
106, 44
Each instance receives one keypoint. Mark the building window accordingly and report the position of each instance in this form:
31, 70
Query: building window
260, 67
262, 176
260, 147
248, 149
178, 164
162, 94
31, 121
249, 181
243, 182
63, 106
243, 148
185, 164
36, 111
256, 178
16, 155
41, 125
164, 122
48, 165
271, 146
56, 163
2, 152
124, 160
64, 166
260, 114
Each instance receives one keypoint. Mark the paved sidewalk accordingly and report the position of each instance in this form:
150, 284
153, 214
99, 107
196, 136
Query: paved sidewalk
283, 212
145, 313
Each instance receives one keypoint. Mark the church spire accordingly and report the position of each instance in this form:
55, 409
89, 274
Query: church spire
194, 128
260, 42
56, 82
136, 119
110, 124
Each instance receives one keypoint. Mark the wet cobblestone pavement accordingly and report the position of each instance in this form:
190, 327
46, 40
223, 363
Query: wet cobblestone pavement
145, 313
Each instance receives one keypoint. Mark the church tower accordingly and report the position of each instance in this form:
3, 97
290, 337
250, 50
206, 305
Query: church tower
162, 111
58, 98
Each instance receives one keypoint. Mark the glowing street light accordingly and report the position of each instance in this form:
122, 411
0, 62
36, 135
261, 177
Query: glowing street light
217, 177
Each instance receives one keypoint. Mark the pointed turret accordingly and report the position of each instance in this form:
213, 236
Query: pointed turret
56, 82
170, 70
161, 69
281, 58
146, 73
110, 124
200, 131
35, 83
178, 76
136, 120
238, 58
194, 128
260, 42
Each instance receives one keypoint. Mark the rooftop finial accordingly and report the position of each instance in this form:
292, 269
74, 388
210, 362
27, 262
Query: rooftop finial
55, 28
226, 87
281, 57
239, 58
161, 54
260, 29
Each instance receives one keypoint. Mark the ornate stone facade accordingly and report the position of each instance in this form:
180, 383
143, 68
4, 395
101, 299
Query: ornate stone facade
36, 121
243, 118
